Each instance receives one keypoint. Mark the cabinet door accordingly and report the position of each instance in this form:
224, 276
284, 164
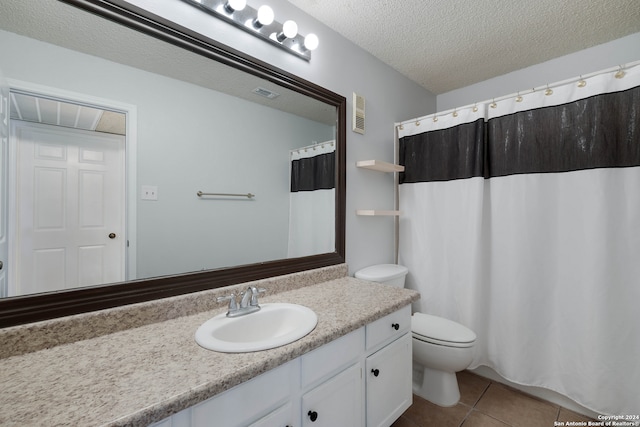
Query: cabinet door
336, 402
281, 417
388, 379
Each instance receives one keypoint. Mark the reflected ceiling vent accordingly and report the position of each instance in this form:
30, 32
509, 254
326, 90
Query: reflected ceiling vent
357, 120
265, 92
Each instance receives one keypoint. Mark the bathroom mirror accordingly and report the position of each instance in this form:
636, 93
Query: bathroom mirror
224, 80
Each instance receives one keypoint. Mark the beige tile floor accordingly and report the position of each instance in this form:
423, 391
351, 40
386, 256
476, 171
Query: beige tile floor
485, 403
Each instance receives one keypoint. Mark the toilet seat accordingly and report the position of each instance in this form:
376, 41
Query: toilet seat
441, 331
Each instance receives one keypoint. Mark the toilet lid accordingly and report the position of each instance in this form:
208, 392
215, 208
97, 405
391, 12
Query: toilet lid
439, 329
381, 272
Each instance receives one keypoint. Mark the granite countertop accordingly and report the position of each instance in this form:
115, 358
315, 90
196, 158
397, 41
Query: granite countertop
142, 375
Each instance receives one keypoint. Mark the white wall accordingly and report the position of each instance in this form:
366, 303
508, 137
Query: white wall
344, 68
204, 122
607, 55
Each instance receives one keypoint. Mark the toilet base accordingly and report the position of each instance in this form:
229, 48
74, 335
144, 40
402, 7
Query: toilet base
438, 387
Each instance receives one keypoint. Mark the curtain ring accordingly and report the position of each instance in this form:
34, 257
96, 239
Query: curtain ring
455, 113
519, 98
620, 74
399, 127
548, 91
417, 122
581, 82
435, 119
493, 104
475, 108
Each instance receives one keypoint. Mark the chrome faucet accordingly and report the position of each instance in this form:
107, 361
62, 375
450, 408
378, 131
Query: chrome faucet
248, 302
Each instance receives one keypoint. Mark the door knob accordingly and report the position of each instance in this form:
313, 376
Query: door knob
112, 235
395, 326
375, 372
1, 265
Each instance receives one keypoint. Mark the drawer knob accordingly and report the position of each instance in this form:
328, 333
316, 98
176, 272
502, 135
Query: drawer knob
313, 416
395, 326
375, 372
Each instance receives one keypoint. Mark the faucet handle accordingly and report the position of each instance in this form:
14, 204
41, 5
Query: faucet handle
254, 294
233, 304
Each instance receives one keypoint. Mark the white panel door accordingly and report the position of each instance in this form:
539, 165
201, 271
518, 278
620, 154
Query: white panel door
70, 208
4, 147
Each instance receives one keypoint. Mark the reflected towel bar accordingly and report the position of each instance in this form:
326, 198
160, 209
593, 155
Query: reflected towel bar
248, 195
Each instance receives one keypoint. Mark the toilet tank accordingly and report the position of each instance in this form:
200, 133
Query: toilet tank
390, 274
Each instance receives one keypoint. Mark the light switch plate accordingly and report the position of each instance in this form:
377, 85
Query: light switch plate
149, 192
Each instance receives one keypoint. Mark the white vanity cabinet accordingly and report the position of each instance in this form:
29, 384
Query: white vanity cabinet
360, 379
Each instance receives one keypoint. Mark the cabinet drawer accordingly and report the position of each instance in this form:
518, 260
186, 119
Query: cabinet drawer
248, 401
332, 357
384, 330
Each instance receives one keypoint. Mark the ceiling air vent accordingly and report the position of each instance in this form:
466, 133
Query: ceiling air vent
265, 92
358, 113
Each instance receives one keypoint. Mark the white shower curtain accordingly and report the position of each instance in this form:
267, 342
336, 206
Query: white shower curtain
521, 220
312, 200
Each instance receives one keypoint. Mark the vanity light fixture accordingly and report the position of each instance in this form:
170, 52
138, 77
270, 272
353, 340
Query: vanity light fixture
261, 23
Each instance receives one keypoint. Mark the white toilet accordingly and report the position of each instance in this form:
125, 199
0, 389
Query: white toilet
441, 347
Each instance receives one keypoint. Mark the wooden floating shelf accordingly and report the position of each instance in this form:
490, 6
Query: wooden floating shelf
374, 212
380, 166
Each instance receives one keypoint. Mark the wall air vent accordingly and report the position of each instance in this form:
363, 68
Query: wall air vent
265, 92
357, 121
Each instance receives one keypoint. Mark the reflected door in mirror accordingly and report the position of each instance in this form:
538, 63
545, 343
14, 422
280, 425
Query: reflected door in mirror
69, 199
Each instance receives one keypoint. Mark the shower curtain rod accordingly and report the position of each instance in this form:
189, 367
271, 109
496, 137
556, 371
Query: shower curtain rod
620, 72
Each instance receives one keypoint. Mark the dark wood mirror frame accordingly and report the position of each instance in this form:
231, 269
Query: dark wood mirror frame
25, 309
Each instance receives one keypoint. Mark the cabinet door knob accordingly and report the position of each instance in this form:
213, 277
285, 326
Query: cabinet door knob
313, 416
375, 372
395, 326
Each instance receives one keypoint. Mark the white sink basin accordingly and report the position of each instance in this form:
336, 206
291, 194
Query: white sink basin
274, 325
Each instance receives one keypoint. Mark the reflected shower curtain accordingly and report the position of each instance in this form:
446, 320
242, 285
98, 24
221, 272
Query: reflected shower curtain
312, 200
521, 220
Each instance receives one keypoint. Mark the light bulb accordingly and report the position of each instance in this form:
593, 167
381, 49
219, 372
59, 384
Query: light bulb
233, 5
265, 16
311, 42
290, 29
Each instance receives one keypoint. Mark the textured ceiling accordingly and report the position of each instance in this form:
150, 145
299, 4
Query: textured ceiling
448, 44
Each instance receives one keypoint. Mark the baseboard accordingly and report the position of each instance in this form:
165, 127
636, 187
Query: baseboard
539, 392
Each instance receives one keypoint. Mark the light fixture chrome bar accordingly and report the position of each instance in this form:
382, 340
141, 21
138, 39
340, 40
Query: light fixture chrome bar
245, 18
